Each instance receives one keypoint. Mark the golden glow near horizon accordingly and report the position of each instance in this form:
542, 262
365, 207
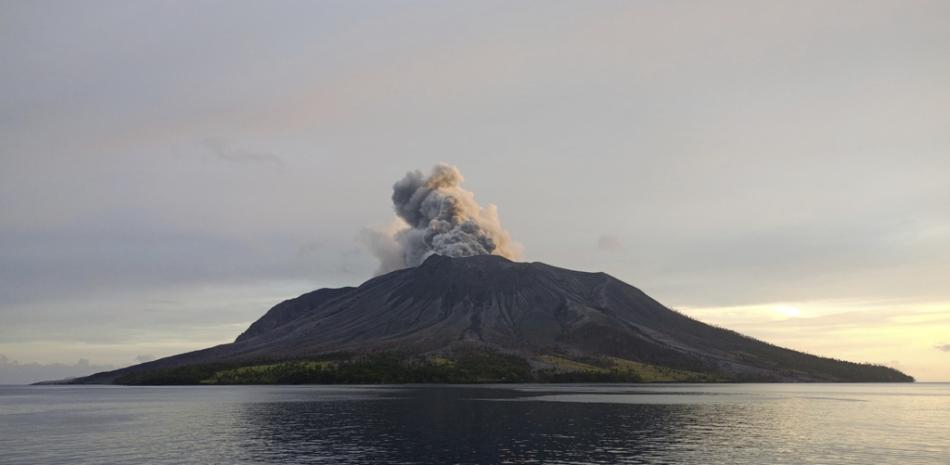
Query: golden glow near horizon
773, 156
787, 311
903, 335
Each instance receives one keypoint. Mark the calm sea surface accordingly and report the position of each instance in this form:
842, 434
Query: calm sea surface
557, 424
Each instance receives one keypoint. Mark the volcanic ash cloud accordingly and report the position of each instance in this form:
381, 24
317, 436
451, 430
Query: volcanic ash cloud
436, 216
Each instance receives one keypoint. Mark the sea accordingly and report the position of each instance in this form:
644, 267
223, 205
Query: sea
478, 424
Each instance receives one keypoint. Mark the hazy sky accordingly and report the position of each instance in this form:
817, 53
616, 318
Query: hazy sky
170, 170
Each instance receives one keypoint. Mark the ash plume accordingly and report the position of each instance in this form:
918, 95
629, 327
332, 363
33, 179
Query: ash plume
436, 216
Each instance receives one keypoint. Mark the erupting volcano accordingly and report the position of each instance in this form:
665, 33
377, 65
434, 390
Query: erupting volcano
453, 307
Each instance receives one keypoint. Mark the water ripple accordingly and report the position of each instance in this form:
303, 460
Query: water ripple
551, 424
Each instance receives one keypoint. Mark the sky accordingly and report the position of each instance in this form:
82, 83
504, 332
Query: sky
171, 170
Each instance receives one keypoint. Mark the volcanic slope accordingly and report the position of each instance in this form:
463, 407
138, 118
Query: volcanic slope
553, 319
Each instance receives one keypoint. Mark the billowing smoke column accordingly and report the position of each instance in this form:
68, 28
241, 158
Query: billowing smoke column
436, 216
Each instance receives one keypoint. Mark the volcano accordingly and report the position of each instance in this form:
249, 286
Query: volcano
487, 319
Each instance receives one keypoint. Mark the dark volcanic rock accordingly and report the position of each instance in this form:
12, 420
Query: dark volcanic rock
528, 309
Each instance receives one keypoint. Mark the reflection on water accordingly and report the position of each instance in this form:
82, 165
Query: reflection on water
691, 424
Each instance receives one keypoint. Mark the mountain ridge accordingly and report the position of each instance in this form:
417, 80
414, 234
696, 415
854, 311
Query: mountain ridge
550, 317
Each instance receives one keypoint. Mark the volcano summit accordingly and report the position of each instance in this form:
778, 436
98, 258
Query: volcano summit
485, 318
452, 306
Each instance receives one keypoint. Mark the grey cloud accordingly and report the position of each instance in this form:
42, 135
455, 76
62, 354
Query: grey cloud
609, 243
144, 358
383, 244
104, 253
224, 151
812, 166
943, 347
440, 218
310, 247
14, 372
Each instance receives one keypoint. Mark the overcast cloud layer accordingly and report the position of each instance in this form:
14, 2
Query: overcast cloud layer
168, 172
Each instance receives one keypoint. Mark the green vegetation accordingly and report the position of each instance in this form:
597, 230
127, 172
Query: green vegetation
392, 368
273, 373
613, 369
659, 374
386, 368
566, 364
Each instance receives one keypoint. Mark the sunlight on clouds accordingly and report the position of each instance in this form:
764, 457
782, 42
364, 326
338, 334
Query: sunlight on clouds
784, 171
895, 333
787, 311
160, 322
